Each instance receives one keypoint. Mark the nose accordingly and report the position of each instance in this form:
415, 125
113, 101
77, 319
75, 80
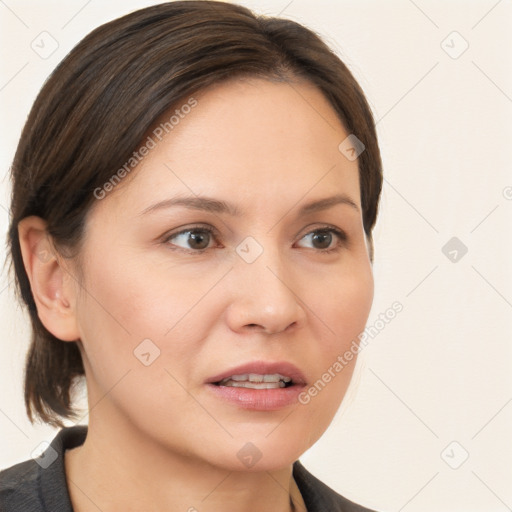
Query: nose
265, 297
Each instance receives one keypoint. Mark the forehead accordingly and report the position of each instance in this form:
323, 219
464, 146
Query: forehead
246, 138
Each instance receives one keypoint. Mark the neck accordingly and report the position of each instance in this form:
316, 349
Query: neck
119, 468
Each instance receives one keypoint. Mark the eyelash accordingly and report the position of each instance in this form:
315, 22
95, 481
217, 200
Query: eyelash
340, 235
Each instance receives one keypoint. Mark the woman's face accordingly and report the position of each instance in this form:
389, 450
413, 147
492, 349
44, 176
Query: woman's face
231, 249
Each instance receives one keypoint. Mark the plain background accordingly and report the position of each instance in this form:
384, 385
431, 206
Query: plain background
434, 386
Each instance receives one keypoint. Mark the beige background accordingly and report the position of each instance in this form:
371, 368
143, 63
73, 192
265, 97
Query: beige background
439, 372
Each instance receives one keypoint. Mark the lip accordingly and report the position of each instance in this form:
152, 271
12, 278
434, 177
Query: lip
259, 399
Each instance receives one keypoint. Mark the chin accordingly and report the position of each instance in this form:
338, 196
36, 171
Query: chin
263, 451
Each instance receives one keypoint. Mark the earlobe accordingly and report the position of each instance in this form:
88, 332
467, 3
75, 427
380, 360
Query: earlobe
49, 279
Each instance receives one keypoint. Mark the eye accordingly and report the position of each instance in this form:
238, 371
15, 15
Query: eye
196, 239
324, 239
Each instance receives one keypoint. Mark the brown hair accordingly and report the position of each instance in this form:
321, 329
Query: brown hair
98, 104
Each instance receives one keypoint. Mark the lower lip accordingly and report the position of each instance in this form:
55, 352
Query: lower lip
258, 399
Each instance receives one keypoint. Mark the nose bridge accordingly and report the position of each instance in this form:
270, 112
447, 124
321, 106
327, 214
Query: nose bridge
264, 287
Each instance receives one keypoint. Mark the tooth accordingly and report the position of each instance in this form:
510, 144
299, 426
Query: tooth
242, 377
256, 385
257, 378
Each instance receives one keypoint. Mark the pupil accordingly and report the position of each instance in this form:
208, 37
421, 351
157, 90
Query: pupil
322, 240
198, 240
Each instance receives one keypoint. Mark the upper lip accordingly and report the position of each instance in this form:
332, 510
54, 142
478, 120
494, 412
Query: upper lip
263, 368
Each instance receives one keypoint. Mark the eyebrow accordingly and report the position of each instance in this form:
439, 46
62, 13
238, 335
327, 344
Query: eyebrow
209, 204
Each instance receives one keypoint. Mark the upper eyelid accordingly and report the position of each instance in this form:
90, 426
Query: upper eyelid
211, 229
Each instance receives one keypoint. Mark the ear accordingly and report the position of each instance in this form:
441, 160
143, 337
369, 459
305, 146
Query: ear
53, 286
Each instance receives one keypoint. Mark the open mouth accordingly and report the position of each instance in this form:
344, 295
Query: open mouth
256, 381
259, 385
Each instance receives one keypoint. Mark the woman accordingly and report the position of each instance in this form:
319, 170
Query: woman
194, 194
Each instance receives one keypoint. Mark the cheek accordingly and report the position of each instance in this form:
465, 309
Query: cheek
344, 305
141, 298
343, 310
129, 318
124, 304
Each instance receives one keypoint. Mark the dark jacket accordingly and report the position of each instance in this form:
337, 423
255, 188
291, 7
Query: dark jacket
40, 486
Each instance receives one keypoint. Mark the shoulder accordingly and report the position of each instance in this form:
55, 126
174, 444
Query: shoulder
318, 496
39, 485
19, 487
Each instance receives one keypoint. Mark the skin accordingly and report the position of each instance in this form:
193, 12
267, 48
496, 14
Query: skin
158, 439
